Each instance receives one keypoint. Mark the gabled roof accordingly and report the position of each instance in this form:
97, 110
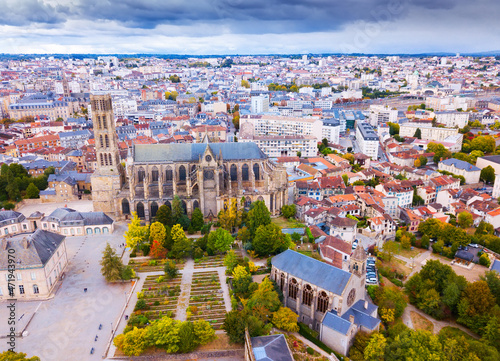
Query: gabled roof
31, 250
310, 270
192, 151
336, 323
271, 348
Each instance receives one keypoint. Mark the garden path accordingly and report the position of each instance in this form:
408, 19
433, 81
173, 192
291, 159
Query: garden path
438, 325
183, 302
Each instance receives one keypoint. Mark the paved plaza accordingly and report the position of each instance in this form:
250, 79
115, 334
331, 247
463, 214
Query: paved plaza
65, 327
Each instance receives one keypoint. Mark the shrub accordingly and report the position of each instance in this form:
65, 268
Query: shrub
171, 269
310, 350
484, 260
141, 305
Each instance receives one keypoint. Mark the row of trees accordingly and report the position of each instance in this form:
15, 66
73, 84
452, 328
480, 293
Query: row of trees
400, 343
449, 238
440, 292
170, 335
16, 183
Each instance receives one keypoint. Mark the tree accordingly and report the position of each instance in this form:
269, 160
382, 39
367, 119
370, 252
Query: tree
415, 346
423, 160
187, 337
230, 261
491, 334
164, 215
285, 319
375, 349
111, 264
136, 234
258, 216
219, 241
234, 325
230, 217
465, 220
132, 343
484, 260
488, 174
475, 305
484, 228
418, 134
164, 333
16, 356
181, 244
245, 83
345, 178
265, 298
270, 239
288, 211
493, 280
32, 191
177, 209
157, 250
157, 232
203, 331
170, 269
405, 242
244, 235
197, 219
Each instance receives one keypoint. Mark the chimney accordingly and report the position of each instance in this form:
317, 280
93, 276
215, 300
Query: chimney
366, 305
25, 242
351, 318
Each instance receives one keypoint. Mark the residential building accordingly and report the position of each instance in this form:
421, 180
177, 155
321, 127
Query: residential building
74, 139
41, 259
331, 130
428, 132
367, 140
452, 119
382, 114
470, 172
259, 104
343, 228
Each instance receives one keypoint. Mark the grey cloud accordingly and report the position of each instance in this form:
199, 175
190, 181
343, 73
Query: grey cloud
25, 12
235, 16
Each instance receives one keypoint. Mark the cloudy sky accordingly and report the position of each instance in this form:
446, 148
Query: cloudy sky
248, 26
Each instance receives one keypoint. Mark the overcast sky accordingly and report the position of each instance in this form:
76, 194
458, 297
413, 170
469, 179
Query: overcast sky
248, 26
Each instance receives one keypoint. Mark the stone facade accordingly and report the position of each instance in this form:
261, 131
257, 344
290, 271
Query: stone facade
202, 177
311, 302
108, 178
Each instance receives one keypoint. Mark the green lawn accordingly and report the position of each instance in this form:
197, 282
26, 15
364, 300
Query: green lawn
285, 223
406, 252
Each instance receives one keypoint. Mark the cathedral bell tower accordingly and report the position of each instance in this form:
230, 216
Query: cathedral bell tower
108, 177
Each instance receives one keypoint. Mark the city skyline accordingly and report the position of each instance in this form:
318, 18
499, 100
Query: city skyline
219, 27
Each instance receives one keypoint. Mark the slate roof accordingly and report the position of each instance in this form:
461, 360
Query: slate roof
66, 215
465, 255
336, 323
6, 217
271, 348
310, 270
42, 245
460, 164
189, 152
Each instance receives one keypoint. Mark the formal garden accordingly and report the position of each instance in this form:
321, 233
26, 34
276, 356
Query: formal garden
206, 300
209, 262
153, 265
158, 297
